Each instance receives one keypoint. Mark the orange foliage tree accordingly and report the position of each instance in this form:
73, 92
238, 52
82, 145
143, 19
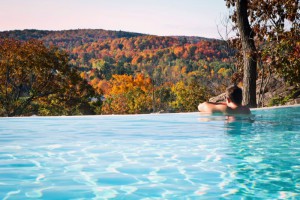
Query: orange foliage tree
31, 73
128, 94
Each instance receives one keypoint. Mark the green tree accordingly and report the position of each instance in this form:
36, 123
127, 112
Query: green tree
188, 96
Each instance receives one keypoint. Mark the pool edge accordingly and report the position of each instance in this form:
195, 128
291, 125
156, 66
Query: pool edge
276, 107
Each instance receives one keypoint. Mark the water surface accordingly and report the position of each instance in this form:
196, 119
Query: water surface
156, 156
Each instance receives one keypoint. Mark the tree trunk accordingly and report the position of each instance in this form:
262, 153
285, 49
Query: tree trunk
249, 54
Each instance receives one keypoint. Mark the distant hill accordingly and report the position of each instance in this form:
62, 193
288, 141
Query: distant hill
168, 60
76, 34
70, 38
99, 54
80, 36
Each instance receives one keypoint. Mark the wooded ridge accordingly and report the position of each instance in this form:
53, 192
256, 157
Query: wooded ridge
128, 72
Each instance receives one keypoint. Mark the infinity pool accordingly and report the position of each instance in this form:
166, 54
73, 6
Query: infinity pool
156, 156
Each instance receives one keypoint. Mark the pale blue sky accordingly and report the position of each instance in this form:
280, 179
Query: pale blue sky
158, 17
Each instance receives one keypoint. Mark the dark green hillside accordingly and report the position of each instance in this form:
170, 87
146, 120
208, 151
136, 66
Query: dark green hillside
67, 38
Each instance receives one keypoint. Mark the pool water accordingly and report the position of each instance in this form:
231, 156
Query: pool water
155, 156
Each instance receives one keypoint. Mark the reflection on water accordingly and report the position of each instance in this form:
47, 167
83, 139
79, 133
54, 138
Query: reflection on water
164, 156
239, 124
267, 147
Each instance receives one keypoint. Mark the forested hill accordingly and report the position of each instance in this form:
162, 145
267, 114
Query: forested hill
133, 51
76, 37
199, 66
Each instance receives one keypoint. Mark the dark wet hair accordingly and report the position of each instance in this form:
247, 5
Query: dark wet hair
235, 94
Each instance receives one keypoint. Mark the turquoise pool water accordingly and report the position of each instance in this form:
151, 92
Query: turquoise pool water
156, 156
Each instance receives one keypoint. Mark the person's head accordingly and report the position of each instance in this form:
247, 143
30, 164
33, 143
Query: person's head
234, 94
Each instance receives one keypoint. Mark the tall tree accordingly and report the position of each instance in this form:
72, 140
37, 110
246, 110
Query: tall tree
240, 17
274, 30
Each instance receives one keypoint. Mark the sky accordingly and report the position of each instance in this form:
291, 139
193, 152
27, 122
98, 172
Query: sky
157, 17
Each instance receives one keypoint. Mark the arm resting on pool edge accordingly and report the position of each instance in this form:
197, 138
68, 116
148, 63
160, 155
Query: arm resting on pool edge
209, 107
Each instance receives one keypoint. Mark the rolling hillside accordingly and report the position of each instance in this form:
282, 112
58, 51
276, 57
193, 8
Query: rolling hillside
161, 66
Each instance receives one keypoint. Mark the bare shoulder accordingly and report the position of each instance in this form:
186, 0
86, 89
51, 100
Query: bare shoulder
212, 107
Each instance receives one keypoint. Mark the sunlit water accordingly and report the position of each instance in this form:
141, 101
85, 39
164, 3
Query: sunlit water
156, 156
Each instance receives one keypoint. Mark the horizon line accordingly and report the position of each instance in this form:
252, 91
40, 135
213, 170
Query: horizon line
74, 29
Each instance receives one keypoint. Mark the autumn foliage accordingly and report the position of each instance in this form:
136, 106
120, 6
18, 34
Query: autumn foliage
34, 78
125, 72
128, 94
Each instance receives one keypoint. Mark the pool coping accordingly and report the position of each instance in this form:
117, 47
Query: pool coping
276, 107
119, 115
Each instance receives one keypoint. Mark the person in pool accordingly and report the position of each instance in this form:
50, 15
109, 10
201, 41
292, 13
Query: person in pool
233, 104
